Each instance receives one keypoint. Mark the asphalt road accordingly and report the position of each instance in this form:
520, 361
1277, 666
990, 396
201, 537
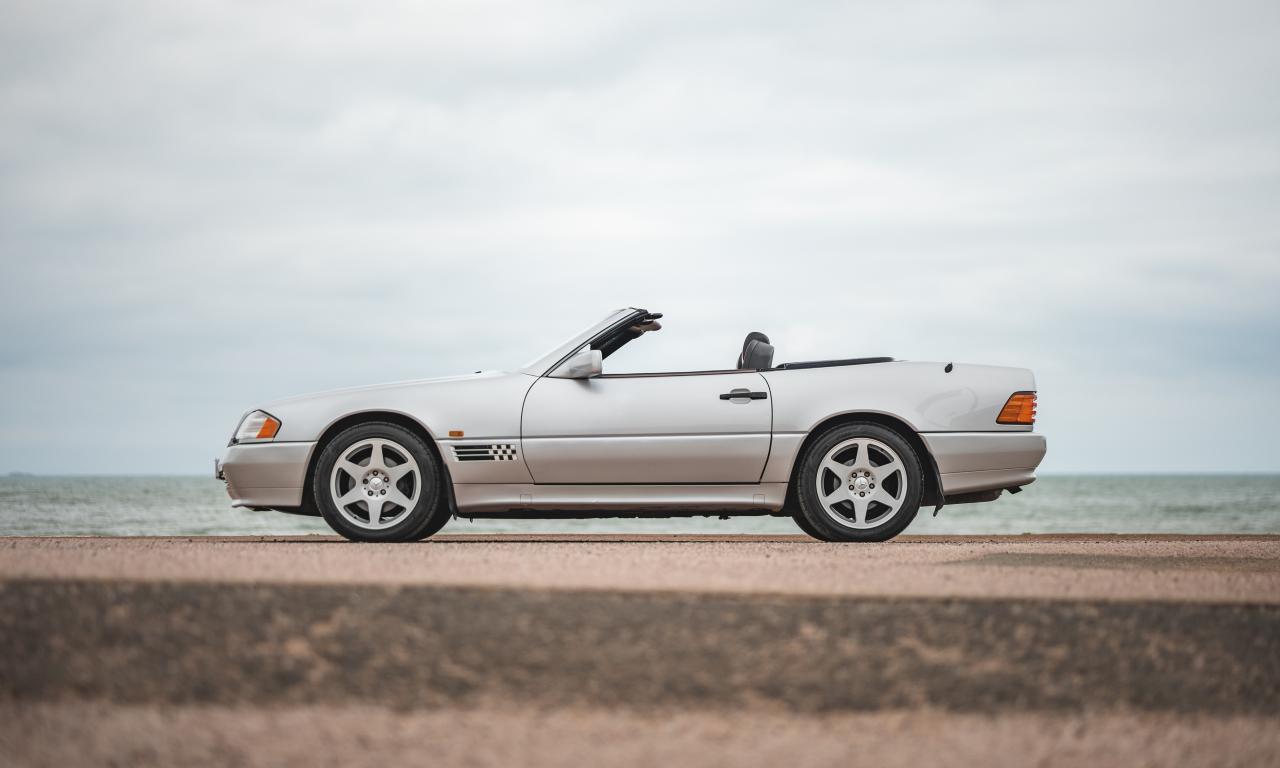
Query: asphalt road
630, 650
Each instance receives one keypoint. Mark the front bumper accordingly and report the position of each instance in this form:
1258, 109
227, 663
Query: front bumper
969, 462
265, 474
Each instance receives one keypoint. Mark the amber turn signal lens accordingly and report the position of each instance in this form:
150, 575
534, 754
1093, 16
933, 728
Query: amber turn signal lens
269, 428
258, 425
1020, 409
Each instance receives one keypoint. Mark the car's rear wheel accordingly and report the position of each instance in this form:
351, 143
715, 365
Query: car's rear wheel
379, 482
859, 482
802, 523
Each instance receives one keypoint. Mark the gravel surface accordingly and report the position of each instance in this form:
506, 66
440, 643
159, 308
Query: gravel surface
56, 736
427, 646
634, 650
1218, 569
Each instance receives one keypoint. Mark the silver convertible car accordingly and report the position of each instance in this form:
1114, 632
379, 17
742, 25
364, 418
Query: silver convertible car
849, 449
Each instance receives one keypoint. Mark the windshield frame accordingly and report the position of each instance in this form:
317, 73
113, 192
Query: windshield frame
546, 363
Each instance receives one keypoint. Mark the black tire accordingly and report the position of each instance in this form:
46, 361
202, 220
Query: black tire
823, 525
428, 515
803, 523
438, 520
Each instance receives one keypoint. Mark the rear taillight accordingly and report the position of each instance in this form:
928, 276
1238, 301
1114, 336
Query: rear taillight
1020, 409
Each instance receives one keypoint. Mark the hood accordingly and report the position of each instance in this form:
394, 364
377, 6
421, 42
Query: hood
348, 391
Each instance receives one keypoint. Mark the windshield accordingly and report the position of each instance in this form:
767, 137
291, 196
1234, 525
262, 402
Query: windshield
540, 364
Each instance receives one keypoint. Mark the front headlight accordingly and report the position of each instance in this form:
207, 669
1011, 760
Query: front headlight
258, 425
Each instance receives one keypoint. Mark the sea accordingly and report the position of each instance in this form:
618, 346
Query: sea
198, 506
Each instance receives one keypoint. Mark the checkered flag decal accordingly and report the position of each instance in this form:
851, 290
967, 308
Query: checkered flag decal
501, 452
493, 452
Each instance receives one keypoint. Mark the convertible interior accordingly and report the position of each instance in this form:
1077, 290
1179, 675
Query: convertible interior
757, 351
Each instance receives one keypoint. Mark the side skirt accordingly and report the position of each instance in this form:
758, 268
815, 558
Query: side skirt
581, 501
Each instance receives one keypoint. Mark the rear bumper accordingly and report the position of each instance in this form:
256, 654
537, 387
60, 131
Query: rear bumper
266, 474
983, 461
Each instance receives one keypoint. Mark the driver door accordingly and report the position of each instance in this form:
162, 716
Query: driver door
667, 428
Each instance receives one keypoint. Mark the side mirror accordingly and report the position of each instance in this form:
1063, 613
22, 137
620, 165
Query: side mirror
583, 365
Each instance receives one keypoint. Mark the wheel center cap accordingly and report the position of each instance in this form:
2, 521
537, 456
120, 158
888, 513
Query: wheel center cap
376, 483
861, 483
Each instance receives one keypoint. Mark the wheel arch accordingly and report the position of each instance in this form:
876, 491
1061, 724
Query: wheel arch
365, 417
931, 494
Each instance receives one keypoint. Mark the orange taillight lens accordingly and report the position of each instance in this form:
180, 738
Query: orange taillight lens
269, 428
1020, 409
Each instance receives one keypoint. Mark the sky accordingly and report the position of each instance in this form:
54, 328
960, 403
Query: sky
208, 205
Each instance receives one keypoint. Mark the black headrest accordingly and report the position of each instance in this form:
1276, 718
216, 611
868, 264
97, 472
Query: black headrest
757, 353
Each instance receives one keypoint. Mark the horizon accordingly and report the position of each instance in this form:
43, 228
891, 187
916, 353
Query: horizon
1039, 474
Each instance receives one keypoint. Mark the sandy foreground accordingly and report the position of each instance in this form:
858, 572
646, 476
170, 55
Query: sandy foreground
641, 650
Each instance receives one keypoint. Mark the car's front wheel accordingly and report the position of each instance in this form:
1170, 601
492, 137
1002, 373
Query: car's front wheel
859, 482
379, 482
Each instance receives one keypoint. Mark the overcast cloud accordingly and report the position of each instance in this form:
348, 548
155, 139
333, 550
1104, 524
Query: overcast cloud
204, 206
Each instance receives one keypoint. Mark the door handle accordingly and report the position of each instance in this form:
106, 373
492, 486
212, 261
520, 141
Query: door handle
744, 395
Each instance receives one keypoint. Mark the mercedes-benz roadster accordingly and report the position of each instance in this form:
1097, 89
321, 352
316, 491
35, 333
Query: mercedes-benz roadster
850, 449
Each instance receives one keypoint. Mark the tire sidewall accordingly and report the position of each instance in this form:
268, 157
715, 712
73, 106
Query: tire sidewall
811, 507
802, 523
419, 518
